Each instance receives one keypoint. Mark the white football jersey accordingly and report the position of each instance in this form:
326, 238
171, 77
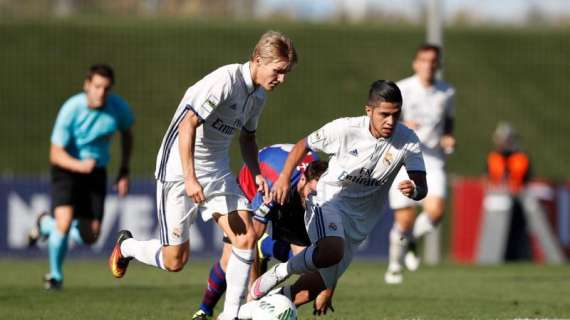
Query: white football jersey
361, 169
428, 107
226, 101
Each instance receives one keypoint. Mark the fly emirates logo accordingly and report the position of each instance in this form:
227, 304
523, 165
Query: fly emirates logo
363, 178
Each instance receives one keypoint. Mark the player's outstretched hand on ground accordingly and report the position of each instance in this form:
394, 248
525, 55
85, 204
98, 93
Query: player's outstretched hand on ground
322, 304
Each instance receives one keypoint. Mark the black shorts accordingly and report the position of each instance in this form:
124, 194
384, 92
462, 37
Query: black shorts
84, 192
290, 228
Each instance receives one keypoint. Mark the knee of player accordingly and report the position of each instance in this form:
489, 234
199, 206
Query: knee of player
175, 264
89, 236
245, 241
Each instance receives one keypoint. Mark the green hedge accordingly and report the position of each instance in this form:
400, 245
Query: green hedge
500, 74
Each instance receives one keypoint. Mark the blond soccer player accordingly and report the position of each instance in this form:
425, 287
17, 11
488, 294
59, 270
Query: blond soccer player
193, 175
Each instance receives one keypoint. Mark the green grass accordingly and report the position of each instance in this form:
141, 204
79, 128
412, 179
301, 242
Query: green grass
445, 292
519, 75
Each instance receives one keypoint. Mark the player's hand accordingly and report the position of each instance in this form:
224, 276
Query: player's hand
280, 190
322, 303
86, 166
122, 186
263, 187
447, 143
407, 188
194, 190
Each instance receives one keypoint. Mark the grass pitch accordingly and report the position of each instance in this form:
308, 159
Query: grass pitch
443, 292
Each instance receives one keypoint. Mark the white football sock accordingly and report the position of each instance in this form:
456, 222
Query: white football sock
148, 252
237, 274
397, 249
423, 225
298, 264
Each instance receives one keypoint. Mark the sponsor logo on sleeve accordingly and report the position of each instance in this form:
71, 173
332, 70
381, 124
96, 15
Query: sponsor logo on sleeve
210, 104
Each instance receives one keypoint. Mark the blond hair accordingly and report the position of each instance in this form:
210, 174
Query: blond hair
274, 45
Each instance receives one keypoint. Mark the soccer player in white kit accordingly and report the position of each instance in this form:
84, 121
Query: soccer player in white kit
366, 154
428, 110
193, 174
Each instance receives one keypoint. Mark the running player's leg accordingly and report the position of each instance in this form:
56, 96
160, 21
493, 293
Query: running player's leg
237, 225
400, 234
216, 284
428, 219
326, 233
86, 226
312, 283
399, 238
171, 251
57, 245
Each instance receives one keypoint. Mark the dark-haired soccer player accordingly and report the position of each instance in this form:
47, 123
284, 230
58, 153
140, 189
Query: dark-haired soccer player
366, 154
288, 234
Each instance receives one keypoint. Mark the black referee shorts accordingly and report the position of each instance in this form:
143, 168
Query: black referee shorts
84, 192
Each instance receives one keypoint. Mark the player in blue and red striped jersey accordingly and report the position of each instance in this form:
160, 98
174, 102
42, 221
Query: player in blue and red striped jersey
289, 235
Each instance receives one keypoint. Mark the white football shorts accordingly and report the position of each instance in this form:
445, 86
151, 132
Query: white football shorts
176, 211
326, 221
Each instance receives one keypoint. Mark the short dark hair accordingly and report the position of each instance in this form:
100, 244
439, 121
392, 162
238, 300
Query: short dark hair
315, 169
384, 91
104, 70
428, 47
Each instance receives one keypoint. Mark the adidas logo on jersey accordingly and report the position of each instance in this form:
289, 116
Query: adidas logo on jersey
354, 152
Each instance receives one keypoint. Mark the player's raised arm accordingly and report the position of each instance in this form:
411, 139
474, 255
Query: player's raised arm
281, 185
186, 143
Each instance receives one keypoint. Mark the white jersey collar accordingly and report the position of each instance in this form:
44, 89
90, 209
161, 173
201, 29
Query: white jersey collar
246, 75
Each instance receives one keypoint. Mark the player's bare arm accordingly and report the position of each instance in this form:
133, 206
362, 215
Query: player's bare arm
416, 187
122, 182
59, 157
281, 185
249, 151
186, 143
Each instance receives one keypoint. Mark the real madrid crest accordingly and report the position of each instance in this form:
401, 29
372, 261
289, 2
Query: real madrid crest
388, 158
